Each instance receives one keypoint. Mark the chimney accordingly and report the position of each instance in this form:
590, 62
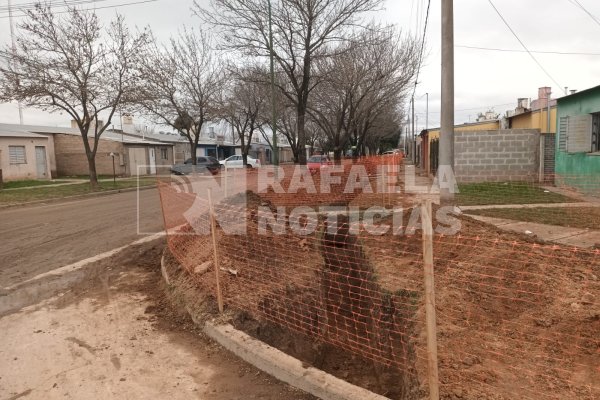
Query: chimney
573, 91
523, 103
128, 123
543, 92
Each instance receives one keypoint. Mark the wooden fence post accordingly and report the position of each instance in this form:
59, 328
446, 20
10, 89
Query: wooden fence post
226, 178
432, 359
383, 181
213, 231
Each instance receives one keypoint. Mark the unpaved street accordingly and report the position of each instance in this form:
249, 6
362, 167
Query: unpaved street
39, 238
117, 337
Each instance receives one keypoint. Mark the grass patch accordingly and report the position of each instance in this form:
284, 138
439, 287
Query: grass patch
27, 183
584, 217
489, 193
88, 177
54, 192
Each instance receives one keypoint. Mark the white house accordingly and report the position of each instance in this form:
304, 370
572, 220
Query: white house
24, 155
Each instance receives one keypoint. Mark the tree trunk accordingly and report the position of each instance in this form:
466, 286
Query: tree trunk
337, 155
301, 114
194, 147
92, 169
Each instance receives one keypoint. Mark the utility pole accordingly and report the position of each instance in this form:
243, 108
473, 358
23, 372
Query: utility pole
446, 157
14, 51
414, 143
427, 111
275, 155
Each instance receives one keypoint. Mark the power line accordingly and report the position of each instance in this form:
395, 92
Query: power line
422, 48
96, 8
471, 109
32, 5
523, 44
592, 16
565, 53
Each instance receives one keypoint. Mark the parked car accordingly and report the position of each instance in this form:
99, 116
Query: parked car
237, 162
316, 163
203, 165
391, 153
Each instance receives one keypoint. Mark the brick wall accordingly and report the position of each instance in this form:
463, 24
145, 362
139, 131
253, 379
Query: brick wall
71, 159
501, 155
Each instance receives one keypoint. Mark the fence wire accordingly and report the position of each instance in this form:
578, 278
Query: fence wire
518, 316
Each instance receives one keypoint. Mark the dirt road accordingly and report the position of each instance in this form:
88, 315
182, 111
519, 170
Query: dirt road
118, 337
36, 239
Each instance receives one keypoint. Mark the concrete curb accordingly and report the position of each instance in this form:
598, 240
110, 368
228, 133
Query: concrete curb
278, 364
79, 196
284, 367
48, 284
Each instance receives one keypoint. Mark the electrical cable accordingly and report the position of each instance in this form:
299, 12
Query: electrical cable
95, 8
523, 44
564, 53
592, 16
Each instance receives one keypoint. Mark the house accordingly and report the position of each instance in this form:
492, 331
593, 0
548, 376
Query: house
578, 140
540, 115
526, 118
216, 140
24, 155
66, 154
536, 115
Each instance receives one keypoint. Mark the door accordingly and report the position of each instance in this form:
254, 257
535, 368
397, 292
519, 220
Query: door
237, 162
152, 156
40, 162
137, 161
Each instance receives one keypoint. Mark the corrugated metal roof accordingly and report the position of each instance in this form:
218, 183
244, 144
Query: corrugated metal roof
20, 134
15, 130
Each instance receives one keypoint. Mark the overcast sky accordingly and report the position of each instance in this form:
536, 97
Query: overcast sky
483, 79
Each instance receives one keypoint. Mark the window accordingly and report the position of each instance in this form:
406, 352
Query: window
16, 155
164, 154
576, 133
595, 132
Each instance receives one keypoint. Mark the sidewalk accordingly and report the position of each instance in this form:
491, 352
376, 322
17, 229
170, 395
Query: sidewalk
573, 194
66, 182
539, 205
577, 237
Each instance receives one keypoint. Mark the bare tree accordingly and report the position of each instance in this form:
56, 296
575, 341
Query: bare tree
72, 64
366, 79
182, 84
244, 105
302, 29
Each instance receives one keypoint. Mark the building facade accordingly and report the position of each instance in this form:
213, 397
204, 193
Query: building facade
578, 140
24, 155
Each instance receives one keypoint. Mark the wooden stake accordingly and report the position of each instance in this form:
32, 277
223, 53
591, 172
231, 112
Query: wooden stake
213, 231
226, 181
432, 358
384, 182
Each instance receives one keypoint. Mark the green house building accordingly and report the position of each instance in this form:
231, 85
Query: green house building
578, 141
